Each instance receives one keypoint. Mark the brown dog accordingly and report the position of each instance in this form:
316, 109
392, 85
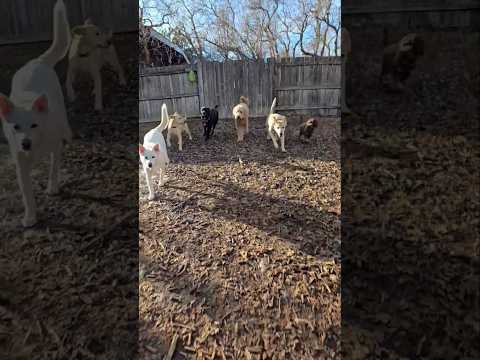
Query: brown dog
307, 128
400, 59
240, 115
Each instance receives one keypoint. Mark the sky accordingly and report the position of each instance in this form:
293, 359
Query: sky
291, 5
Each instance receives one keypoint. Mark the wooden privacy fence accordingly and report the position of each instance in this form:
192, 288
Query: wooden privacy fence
301, 85
31, 20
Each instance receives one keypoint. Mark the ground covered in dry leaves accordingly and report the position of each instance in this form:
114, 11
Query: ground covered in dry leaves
68, 286
240, 252
410, 209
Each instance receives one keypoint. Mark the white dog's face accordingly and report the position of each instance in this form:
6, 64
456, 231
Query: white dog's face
92, 36
23, 124
279, 125
148, 157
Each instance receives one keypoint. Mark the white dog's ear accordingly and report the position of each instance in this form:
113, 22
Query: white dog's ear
6, 106
40, 104
141, 149
156, 148
79, 30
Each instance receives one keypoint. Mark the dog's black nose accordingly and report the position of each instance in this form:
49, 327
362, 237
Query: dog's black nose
150, 165
26, 144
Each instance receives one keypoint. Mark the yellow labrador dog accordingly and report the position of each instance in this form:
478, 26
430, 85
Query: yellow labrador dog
90, 51
240, 114
276, 125
177, 124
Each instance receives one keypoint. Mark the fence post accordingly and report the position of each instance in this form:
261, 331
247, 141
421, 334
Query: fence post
201, 95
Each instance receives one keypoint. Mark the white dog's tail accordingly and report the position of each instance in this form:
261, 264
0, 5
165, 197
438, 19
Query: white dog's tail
61, 36
165, 118
274, 104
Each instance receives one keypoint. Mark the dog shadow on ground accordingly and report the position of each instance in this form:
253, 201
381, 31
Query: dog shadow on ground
308, 228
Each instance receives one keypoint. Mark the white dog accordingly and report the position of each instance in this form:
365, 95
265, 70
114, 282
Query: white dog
91, 50
34, 117
153, 153
176, 126
276, 125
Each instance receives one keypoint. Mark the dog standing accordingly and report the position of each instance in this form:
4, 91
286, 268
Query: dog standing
276, 125
91, 50
209, 121
307, 128
176, 126
153, 153
240, 114
34, 117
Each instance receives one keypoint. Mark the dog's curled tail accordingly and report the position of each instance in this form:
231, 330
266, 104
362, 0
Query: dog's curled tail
61, 36
274, 104
165, 118
244, 100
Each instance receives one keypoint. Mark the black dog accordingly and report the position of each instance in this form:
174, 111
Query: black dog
209, 121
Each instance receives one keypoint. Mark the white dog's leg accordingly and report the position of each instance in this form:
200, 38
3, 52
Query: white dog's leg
169, 135
247, 127
69, 84
272, 136
161, 175
56, 160
282, 140
151, 193
116, 66
187, 130
97, 79
180, 141
25, 183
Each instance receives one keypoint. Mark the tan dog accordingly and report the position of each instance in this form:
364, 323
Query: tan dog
276, 125
177, 124
240, 114
90, 51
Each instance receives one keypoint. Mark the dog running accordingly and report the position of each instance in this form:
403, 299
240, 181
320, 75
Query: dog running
177, 124
153, 154
240, 115
90, 51
34, 117
276, 125
209, 121
307, 128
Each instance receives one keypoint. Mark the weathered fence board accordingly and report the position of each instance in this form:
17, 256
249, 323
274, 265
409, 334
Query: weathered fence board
158, 86
408, 15
31, 20
301, 85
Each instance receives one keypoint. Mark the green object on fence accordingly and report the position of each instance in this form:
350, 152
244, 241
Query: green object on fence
192, 77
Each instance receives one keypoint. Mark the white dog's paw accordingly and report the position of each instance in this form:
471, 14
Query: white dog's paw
151, 197
283, 150
29, 221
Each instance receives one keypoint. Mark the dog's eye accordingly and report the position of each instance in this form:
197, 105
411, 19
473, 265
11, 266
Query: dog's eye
33, 126
153, 157
16, 127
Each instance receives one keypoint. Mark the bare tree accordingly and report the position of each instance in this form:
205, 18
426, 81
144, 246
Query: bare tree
249, 29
